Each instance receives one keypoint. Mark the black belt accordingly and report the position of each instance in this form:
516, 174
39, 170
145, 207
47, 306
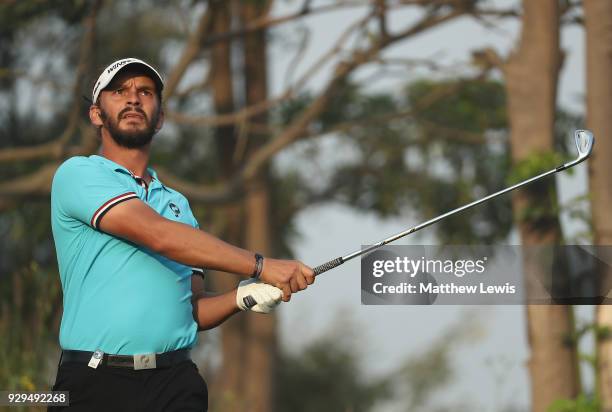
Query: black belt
146, 361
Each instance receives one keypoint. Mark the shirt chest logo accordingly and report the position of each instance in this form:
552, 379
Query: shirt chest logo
175, 209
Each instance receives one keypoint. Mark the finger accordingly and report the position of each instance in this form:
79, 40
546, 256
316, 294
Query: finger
301, 281
308, 274
286, 293
294, 285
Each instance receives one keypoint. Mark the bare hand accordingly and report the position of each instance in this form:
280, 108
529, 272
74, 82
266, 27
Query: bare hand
288, 275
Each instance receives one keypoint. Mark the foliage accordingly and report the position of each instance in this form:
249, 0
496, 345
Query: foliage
29, 306
331, 375
582, 403
456, 128
472, 106
420, 377
577, 210
30, 293
433, 158
13, 15
543, 161
534, 164
330, 370
30, 298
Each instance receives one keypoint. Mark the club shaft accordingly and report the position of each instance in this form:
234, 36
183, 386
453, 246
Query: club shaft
584, 143
338, 261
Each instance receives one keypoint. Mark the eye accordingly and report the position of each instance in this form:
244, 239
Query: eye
118, 92
145, 92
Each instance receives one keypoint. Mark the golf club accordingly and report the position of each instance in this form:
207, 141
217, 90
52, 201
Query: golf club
584, 143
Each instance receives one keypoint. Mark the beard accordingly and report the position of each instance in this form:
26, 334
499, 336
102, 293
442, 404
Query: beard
130, 139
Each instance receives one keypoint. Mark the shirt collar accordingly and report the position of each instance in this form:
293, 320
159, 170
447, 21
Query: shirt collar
118, 168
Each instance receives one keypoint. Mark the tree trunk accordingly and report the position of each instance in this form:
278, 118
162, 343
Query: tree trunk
229, 384
598, 23
249, 341
261, 329
531, 79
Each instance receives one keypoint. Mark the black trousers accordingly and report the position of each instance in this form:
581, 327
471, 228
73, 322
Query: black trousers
179, 388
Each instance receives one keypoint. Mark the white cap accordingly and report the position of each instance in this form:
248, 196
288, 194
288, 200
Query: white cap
111, 71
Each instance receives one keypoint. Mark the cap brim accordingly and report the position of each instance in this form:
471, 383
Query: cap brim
117, 67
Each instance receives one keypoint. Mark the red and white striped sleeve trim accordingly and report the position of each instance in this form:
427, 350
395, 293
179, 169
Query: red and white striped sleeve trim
95, 220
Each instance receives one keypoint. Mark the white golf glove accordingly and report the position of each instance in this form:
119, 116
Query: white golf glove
266, 296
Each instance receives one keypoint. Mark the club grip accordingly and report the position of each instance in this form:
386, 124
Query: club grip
250, 302
327, 266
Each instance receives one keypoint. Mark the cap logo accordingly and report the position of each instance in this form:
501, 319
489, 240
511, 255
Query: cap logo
117, 64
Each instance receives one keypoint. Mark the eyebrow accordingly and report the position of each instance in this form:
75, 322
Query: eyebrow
152, 88
123, 86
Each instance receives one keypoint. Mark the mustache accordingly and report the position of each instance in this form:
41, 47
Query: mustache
127, 110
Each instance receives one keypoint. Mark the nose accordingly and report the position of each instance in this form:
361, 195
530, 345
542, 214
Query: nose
133, 98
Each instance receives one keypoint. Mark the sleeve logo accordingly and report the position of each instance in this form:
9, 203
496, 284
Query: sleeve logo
175, 209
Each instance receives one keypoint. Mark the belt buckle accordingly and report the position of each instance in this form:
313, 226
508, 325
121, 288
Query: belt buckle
145, 361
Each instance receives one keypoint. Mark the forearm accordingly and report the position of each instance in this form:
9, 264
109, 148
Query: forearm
135, 221
210, 311
197, 248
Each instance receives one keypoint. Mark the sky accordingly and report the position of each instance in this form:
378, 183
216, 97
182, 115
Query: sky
491, 370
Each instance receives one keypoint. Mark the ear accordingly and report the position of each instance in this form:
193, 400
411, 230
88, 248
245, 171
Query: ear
160, 121
95, 115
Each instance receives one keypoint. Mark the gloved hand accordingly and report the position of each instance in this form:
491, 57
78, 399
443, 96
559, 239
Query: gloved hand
266, 296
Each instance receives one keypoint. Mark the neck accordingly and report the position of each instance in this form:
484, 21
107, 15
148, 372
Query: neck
135, 160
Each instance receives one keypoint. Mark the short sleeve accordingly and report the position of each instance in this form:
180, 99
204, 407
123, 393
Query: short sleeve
188, 217
196, 270
85, 190
194, 221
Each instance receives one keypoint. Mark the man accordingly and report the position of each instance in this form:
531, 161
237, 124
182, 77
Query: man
130, 256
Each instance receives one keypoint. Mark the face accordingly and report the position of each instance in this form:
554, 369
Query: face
129, 109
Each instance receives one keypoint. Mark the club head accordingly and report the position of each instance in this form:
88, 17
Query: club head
584, 143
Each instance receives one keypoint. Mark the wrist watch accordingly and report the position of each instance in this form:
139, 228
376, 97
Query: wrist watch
258, 266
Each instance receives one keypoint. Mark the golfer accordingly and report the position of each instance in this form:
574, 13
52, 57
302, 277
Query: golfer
131, 261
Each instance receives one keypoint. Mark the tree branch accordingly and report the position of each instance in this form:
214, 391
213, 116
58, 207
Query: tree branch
192, 49
297, 128
35, 184
210, 194
39, 182
381, 13
246, 113
55, 148
267, 21
487, 59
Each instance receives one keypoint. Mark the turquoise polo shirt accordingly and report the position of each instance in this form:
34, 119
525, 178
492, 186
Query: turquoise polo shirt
118, 297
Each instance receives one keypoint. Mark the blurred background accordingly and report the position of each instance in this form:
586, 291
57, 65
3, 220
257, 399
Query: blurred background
306, 129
